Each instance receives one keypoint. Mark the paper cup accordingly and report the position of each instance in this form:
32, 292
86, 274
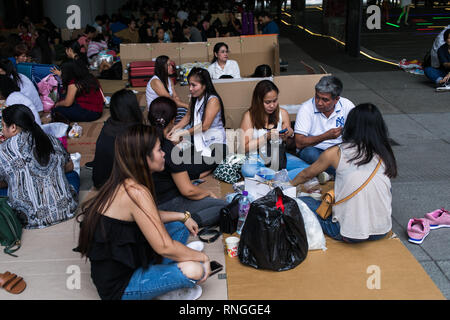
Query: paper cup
232, 244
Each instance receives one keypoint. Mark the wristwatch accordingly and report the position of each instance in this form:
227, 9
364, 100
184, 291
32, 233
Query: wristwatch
187, 215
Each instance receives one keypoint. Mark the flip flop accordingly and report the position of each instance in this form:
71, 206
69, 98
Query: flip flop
12, 283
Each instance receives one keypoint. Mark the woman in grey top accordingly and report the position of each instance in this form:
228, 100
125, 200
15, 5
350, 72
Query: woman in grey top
367, 215
33, 167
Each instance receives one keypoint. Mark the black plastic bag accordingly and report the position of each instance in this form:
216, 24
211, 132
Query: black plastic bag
274, 235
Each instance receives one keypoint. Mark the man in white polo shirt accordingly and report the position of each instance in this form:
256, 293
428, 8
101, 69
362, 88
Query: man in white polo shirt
320, 120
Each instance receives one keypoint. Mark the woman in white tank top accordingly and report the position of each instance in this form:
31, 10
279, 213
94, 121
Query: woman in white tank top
262, 124
367, 215
161, 86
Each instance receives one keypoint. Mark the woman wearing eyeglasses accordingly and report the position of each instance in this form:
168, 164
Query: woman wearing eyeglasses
221, 65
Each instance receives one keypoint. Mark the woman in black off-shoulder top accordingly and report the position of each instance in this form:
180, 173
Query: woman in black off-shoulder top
137, 252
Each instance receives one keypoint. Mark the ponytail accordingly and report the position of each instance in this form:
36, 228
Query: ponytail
161, 112
22, 117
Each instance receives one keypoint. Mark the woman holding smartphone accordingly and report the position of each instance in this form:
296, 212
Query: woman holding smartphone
265, 122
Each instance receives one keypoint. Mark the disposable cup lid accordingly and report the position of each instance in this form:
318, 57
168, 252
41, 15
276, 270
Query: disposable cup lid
232, 240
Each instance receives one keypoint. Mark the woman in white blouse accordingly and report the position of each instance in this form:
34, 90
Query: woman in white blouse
25, 85
221, 65
11, 93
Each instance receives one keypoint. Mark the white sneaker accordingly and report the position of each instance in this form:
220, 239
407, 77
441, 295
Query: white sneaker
196, 245
443, 88
182, 294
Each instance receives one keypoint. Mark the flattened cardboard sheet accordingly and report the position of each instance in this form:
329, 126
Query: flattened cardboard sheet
374, 270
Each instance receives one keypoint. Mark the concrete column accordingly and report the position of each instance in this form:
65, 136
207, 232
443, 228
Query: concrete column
353, 27
56, 10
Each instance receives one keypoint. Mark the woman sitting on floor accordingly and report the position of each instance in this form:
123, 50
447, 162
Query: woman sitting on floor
125, 112
264, 124
367, 215
160, 85
84, 99
136, 251
12, 95
175, 189
25, 85
37, 171
206, 118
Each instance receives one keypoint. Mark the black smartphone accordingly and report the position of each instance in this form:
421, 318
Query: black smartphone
215, 267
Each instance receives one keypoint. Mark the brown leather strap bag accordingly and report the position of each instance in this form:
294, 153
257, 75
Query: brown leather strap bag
325, 208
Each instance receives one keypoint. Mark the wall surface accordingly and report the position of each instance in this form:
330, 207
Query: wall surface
56, 10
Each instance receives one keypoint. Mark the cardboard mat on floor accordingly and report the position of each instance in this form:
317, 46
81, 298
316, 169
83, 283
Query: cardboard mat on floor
85, 144
376, 270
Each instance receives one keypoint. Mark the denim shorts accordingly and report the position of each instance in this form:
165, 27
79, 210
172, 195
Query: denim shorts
157, 279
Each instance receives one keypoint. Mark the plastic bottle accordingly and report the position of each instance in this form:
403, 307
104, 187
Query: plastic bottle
244, 206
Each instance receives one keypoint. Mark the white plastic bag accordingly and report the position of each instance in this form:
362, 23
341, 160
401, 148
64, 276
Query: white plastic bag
314, 233
76, 131
56, 129
76, 159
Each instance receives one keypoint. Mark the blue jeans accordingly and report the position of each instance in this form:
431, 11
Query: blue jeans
311, 154
293, 165
333, 229
75, 113
157, 279
72, 177
435, 75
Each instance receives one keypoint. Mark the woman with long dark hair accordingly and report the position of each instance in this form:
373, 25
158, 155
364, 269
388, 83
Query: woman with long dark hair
125, 112
37, 171
84, 99
73, 52
136, 251
365, 143
221, 65
206, 117
10, 91
175, 189
25, 85
263, 124
160, 85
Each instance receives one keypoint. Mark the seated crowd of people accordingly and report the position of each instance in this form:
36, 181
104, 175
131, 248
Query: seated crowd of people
135, 229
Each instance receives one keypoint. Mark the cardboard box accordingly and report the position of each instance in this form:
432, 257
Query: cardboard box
172, 50
257, 50
193, 52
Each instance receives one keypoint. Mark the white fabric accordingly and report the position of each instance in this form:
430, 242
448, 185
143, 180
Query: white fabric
18, 98
215, 134
231, 68
29, 90
368, 212
438, 42
311, 122
257, 133
151, 95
